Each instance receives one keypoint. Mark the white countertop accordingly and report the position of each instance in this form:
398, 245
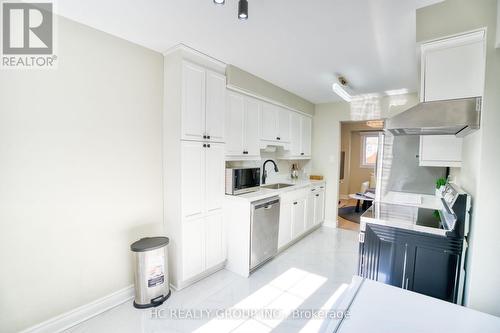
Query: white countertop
377, 307
412, 199
266, 193
400, 216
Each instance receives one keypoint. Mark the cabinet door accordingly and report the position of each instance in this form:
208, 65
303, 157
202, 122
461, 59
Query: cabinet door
384, 256
310, 210
319, 207
295, 131
432, 271
285, 226
215, 247
454, 68
214, 176
193, 247
298, 217
269, 122
283, 124
215, 106
193, 101
234, 124
306, 125
251, 127
192, 178
440, 150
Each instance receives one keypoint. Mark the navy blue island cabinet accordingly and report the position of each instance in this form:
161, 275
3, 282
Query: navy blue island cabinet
421, 262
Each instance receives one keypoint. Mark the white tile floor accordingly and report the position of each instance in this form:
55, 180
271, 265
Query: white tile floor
305, 276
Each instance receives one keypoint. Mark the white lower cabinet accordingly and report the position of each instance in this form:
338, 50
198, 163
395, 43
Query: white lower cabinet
203, 245
285, 226
193, 240
300, 211
310, 207
298, 217
215, 249
319, 206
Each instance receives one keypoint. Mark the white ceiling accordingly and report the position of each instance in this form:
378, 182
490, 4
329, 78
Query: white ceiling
297, 45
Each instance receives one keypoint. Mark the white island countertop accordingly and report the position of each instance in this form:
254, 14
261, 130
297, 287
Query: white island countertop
376, 307
264, 193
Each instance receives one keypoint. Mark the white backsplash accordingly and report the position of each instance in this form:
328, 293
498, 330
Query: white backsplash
284, 167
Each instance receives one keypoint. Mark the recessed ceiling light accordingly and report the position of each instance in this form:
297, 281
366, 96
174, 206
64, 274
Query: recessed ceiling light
341, 92
243, 9
219, 2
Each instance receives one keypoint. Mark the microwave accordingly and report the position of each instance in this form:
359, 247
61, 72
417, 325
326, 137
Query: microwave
242, 180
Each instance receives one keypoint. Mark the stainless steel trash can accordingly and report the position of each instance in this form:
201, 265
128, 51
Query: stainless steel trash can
151, 271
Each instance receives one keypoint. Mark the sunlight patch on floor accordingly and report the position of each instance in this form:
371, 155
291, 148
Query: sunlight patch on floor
270, 305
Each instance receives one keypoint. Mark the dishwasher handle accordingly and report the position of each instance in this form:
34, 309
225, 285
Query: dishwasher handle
266, 203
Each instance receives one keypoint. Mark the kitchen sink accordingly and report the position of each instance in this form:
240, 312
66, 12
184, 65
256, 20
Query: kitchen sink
276, 186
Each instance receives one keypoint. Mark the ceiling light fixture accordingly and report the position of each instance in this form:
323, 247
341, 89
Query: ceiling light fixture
341, 92
243, 9
219, 2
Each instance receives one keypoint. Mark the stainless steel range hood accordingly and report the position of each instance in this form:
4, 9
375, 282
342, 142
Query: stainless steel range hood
448, 117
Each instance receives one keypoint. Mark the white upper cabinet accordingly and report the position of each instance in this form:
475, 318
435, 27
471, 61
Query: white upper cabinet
295, 134
203, 103
193, 101
235, 115
269, 122
440, 150
305, 137
451, 68
283, 124
242, 127
251, 137
275, 123
215, 106
300, 137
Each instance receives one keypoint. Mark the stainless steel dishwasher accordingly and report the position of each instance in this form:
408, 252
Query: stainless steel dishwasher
264, 226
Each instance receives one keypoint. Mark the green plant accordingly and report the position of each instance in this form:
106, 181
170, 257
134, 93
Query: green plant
440, 182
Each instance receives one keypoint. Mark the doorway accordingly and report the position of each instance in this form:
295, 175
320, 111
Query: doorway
358, 158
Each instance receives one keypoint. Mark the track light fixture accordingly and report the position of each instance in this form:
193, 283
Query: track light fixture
243, 9
219, 2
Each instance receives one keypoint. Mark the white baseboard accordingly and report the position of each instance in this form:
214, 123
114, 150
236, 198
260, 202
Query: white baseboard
330, 224
82, 313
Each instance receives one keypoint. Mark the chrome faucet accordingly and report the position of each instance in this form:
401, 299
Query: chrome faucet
264, 172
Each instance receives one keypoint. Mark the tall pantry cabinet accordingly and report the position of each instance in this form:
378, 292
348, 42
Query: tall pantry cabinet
193, 164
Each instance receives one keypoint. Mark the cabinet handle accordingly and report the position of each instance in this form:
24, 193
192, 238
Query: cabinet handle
204, 145
208, 145
317, 195
295, 203
301, 153
208, 137
278, 138
204, 136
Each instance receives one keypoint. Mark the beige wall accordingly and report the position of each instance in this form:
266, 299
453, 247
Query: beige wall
80, 173
326, 137
479, 174
246, 82
351, 144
